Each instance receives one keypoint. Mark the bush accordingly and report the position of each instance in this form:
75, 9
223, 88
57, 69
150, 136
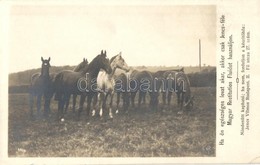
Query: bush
205, 78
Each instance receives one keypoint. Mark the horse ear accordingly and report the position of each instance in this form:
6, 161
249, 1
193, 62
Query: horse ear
101, 52
84, 60
42, 59
49, 59
105, 52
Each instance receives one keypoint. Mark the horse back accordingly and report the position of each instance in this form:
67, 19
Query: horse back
35, 79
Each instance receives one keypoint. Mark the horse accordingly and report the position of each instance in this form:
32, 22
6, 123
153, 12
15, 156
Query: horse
178, 82
78, 68
41, 85
121, 87
123, 83
69, 82
143, 84
160, 85
106, 83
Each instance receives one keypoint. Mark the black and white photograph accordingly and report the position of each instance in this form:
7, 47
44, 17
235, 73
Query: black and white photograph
133, 82
112, 81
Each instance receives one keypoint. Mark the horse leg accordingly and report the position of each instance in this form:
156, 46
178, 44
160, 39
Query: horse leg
126, 101
156, 103
67, 104
182, 100
169, 99
144, 97
81, 103
31, 102
111, 105
47, 100
59, 107
104, 102
66, 101
74, 102
95, 105
140, 98
133, 94
178, 98
61, 104
89, 100
163, 99
39, 98
118, 101
143, 101
47, 107
100, 103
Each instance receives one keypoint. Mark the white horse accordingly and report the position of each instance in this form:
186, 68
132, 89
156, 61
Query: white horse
106, 84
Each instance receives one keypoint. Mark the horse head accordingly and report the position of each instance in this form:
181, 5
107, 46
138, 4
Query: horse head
45, 66
119, 62
82, 66
84, 62
103, 62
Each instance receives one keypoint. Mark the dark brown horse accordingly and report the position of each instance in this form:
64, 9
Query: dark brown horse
78, 68
178, 82
142, 83
121, 88
81, 83
161, 86
41, 85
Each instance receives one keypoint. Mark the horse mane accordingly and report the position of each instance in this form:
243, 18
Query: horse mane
112, 59
92, 63
78, 67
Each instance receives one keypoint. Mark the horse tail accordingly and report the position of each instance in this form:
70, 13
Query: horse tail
58, 86
33, 84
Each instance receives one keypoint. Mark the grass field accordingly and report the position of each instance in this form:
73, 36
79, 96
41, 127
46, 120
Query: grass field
139, 133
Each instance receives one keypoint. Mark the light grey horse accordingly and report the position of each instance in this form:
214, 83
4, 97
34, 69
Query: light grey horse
106, 83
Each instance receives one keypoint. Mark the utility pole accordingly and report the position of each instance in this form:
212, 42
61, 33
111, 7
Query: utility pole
200, 54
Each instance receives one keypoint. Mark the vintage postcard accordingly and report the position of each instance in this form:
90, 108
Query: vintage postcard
129, 82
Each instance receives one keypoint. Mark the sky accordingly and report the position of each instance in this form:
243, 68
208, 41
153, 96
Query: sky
146, 35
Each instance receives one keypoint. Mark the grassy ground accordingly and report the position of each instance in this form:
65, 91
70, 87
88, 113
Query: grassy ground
139, 133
